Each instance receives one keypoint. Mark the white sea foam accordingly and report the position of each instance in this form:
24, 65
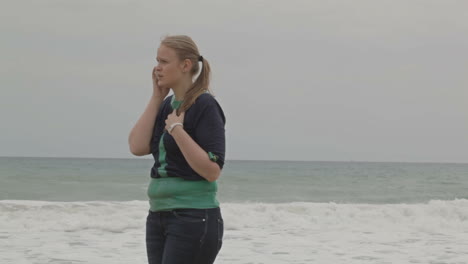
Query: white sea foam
113, 232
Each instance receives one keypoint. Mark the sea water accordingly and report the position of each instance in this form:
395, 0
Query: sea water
94, 211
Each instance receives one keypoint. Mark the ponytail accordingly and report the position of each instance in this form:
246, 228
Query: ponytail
200, 86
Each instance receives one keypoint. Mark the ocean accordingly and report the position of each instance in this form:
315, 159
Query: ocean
84, 210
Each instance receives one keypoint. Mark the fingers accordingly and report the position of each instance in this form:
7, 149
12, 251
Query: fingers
155, 77
154, 74
174, 118
174, 112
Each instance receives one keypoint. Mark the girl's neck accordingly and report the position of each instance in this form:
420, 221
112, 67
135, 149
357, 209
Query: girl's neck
181, 88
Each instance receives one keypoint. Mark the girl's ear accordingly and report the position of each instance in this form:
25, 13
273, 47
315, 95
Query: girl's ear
187, 65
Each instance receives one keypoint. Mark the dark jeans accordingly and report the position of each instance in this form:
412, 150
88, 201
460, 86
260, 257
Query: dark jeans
184, 236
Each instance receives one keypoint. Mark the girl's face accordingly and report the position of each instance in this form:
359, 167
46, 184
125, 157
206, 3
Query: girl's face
169, 69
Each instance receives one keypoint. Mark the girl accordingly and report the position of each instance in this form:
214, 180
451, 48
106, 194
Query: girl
185, 134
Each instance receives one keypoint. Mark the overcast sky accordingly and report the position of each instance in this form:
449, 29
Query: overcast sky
298, 80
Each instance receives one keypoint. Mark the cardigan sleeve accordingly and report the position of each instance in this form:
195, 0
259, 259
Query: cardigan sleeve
210, 131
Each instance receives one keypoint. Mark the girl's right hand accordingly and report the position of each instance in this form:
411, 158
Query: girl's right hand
158, 91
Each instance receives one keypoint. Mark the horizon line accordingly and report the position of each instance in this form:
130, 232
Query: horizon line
276, 160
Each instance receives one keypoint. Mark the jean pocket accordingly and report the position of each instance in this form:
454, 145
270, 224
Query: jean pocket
191, 216
152, 217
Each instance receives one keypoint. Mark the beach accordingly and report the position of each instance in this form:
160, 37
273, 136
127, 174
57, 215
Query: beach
113, 232
259, 228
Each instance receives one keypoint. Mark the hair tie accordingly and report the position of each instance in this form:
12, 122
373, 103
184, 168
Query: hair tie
200, 58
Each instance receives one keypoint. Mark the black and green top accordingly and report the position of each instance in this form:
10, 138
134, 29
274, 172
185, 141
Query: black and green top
174, 184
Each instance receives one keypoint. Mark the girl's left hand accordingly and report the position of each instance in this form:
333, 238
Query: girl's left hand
173, 118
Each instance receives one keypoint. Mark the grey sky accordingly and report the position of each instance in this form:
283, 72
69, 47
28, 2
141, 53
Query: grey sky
298, 80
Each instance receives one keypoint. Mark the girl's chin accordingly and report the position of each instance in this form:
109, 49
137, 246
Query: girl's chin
161, 84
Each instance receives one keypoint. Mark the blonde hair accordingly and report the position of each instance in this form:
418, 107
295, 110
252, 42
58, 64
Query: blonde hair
186, 48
